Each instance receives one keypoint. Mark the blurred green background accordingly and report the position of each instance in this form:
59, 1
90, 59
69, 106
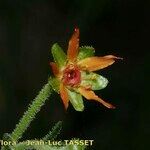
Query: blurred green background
28, 28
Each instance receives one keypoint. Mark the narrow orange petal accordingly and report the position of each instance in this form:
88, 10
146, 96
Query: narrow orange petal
90, 95
64, 96
96, 63
55, 69
73, 46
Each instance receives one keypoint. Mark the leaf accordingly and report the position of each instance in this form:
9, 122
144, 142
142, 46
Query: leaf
85, 51
55, 84
93, 81
54, 132
59, 55
76, 100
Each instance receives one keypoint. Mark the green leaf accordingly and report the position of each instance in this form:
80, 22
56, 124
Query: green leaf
85, 51
59, 55
54, 132
55, 84
93, 80
76, 100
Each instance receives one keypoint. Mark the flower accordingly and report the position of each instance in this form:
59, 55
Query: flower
74, 76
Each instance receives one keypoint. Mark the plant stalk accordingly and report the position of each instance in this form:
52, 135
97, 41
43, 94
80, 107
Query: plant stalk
30, 114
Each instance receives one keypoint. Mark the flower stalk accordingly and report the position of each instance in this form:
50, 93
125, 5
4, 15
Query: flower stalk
30, 114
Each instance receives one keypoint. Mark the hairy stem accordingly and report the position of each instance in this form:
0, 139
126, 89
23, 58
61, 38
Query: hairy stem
54, 132
33, 109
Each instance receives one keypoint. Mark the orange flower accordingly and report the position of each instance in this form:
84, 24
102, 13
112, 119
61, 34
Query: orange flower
74, 76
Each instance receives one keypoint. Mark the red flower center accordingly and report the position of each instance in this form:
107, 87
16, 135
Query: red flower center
71, 75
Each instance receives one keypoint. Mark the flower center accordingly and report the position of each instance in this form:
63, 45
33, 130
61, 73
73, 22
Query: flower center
71, 75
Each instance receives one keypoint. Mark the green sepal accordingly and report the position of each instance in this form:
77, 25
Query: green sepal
55, 84
58, 55
85, 51
93, 80
76, 100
